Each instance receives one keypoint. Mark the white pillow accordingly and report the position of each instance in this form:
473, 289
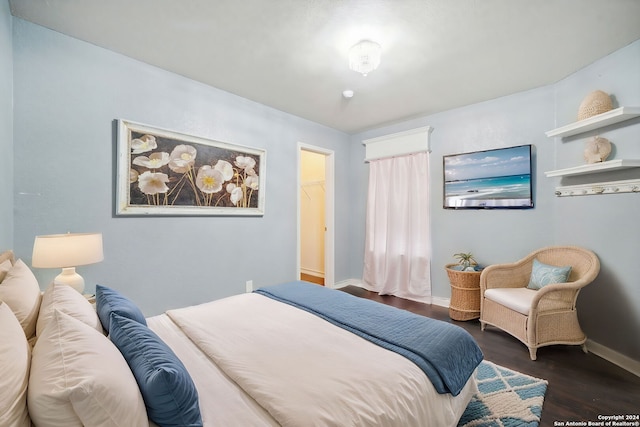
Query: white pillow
78, 377
15, 353
5, 266
7, 255
69, 301
21, 292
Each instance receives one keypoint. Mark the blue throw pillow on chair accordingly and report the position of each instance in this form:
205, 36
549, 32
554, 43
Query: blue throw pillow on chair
543, 274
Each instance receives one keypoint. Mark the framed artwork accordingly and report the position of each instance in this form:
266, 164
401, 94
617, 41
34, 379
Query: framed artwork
161, 172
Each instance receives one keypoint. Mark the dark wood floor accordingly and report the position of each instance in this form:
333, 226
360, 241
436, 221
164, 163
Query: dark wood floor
581, 386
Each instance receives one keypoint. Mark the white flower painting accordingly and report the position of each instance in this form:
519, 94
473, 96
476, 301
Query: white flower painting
167, 173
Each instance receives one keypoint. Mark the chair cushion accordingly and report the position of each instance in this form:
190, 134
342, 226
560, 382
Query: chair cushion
543, 274
517, 299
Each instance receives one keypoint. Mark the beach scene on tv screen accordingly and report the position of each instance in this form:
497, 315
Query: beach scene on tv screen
498, 178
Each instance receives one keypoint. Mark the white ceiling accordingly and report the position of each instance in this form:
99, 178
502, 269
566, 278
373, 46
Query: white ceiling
292, 54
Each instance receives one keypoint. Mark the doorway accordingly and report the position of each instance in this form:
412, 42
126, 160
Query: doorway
315, 215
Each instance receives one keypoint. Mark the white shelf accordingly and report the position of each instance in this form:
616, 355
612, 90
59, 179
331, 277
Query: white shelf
612, 187
608, 166
601, 120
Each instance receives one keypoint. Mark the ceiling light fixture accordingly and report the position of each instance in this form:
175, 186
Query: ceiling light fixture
364, 56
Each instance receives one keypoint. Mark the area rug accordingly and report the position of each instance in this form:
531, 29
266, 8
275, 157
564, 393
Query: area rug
505, 398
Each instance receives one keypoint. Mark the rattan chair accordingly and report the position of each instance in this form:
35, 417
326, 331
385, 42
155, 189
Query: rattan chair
537, 317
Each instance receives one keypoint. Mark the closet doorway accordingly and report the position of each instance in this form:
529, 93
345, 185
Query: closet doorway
315, 215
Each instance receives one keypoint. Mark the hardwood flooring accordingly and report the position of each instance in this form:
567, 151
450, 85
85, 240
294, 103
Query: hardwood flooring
581, 387
313, 279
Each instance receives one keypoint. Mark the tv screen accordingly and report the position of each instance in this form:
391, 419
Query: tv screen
490, 179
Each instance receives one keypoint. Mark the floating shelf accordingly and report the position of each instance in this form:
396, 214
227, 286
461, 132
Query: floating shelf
601, 120
608, 166
612, 187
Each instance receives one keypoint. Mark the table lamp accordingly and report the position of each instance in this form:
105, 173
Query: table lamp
67, 251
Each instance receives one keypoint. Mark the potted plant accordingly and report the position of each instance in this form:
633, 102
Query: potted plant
466, 261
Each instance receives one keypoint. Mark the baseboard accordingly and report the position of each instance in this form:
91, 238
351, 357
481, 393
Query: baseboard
442, 302
614, 357
312, 272
348, 282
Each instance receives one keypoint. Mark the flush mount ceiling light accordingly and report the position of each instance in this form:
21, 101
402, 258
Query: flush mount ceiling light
364, 56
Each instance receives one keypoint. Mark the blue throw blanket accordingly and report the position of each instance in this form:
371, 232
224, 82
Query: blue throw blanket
446, 353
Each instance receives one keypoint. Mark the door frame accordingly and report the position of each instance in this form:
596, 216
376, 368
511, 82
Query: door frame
329, 213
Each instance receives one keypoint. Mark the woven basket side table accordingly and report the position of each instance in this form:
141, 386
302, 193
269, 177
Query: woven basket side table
465, 294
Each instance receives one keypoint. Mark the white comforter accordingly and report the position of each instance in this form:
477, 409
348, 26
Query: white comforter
277, 365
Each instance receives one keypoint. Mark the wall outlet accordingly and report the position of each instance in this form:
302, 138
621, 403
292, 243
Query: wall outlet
249, 286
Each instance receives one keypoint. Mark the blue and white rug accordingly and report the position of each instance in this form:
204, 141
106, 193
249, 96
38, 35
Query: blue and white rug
505, 398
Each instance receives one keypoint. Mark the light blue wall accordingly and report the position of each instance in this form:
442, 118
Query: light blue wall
6, 128
609, 224
68, 94
609, 309
514, 120
500, 235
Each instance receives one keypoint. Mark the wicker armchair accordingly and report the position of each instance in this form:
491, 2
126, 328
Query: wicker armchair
537, 317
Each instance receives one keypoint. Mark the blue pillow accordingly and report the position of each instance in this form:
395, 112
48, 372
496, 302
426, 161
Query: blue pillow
543, 274
168, 391
111, 301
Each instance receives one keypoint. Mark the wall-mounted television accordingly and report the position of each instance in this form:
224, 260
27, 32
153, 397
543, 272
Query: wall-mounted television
489, 179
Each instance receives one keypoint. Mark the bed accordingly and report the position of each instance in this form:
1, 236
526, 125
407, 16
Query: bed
266, 358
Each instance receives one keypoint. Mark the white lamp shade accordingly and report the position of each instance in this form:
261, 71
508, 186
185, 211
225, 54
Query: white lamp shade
67, 250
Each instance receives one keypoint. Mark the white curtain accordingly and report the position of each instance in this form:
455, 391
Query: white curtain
397, 255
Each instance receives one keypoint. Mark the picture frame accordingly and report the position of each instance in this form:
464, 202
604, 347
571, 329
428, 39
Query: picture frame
162, 172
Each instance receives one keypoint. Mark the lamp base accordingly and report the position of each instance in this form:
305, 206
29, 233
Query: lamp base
71, 278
